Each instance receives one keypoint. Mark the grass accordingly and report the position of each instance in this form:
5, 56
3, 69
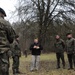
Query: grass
48, 66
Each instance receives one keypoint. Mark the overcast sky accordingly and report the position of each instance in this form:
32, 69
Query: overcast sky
8, 6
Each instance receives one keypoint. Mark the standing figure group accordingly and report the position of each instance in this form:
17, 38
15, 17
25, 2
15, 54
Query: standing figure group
69, 47
8, 36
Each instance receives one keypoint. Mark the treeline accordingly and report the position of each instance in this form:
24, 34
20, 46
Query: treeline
29, 30
44, 19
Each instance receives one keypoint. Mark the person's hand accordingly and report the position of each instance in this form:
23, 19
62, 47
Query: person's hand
38, 47
35, 47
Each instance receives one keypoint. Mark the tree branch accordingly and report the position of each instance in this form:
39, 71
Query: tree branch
54, 9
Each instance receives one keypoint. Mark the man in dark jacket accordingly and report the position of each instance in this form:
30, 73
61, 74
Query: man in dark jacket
16, 54
59, 49
36, 52
70, 47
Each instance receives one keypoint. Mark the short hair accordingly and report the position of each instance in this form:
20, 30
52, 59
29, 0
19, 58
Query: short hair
57, 35
17, 36
68, 34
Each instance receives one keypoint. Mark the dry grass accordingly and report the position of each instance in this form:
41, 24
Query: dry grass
48, 66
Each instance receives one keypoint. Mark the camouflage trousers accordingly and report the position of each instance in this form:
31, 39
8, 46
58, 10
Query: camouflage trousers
15, 65
4, 64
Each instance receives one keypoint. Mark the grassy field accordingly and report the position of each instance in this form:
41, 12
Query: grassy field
48, 66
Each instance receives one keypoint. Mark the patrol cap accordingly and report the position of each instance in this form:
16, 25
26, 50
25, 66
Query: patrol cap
2, 11
68, 34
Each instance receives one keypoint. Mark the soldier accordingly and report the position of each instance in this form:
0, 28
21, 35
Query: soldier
35, 51
70, 47
16, 54
6, 37
59, 49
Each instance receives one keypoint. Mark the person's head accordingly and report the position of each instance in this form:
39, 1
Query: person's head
69, 35
17, 37
57, 37
2, 13
36, 40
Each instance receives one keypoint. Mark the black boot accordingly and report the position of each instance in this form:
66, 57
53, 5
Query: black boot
17, 71
70, 68
58, 67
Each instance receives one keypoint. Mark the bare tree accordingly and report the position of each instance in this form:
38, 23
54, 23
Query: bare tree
51, 16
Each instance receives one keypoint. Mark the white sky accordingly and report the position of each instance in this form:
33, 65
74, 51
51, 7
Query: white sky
8, 6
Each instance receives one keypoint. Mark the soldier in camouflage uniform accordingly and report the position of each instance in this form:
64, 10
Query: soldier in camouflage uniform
59, 49
70, 47
6, 37
16, 54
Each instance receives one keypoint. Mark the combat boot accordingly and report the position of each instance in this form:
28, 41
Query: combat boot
70, 68
17, 71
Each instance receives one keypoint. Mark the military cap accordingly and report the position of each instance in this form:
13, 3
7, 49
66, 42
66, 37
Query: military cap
3, 12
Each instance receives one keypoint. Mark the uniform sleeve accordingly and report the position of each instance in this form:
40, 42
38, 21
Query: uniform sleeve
10, 33
13, 44
63, 44
66, 48
74, 45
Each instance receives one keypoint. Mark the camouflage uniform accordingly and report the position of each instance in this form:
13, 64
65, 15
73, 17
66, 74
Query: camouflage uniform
6, 37
59, 49
70, 47
16, 53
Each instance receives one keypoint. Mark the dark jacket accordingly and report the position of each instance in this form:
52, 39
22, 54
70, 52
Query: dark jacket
59, 46
35, 51
70, 46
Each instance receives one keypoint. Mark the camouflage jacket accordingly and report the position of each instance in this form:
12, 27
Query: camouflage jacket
6, 35
70, 45
59, 46
16, 51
